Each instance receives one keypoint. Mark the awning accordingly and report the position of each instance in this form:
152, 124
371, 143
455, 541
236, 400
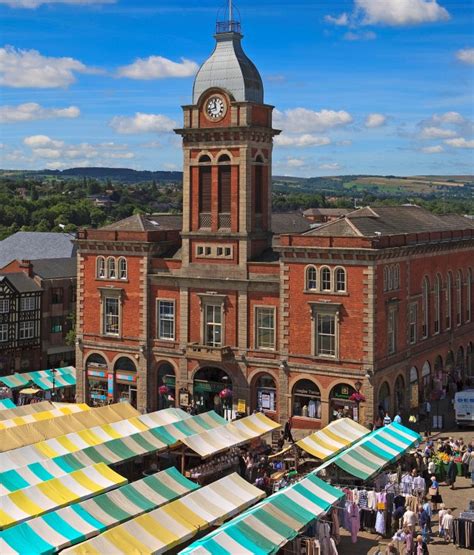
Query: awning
265, 528
231, 435
40, 416
26, 409
375, 451
173, 433
16, 380
28, 434
163, 417
81, 521
333, 438
36, 500
169, 526
63, 377
6, 404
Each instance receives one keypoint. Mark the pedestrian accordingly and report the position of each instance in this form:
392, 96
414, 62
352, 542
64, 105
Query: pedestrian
441, 514
398, 418
424, 522
387, 420
428, 418
448, 519
420, 547
451, 472
465, 462
434, 493
391, 549
470, 468
408, 540
287, 433
409, 520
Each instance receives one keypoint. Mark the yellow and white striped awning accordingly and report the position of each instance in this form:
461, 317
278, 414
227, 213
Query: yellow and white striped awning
45, 415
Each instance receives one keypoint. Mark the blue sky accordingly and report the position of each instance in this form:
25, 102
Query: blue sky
360, 86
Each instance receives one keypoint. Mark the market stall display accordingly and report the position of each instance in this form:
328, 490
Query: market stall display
71, 525
169, 526
23, 505
265, 528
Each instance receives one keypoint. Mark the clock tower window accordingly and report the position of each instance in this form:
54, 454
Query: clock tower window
205, 196
224, 191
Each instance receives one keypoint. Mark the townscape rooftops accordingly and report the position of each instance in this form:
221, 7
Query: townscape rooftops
147, 222
391, 220
21, 282
326, 211
33, 245
55, 268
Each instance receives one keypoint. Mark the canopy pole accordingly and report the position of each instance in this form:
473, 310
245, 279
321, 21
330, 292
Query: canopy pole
182, 462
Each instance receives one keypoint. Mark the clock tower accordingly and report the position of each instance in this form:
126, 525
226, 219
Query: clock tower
227, 143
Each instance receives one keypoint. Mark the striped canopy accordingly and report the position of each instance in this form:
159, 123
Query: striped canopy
333, 438
110, 421
63, 377
173, 433
36, 500
266, 527
230, 435
165, 528
163, 417
46, 415
375, 451
80, 521
22, 410
16, 380
7, 404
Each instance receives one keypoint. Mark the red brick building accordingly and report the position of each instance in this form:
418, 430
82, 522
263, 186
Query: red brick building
230, 298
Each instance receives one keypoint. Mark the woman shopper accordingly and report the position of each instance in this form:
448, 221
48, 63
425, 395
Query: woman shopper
434, 493
452, 472
420, 547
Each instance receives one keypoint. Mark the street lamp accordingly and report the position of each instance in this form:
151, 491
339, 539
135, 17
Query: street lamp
53, 372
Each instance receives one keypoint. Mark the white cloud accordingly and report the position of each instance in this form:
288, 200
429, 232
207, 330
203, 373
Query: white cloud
143, 123
460, 142
330, 166
30, 69
302, 120
41, 141
432, 149
449, 117
436, 133
401, 12
31, 111
295, 162
466, 55
301, 140
366, 35
35, 3
375, 120
157, 67
341, 20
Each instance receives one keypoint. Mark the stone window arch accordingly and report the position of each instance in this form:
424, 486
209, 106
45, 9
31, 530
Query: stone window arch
340, 280
111, 268
311, 278
101, 272
122, 268
326, 279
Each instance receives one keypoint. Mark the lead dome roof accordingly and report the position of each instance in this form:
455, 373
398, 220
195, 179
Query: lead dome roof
230, 69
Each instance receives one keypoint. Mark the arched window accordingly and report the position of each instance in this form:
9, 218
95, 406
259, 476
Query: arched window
224, 187
166, 386
223, 159
396, 276
306, 398
122, 268
258, 189
425, 390
326, 284
385, 278
96, 385
384, 397
204, 159
449, 300
399, 393
259, 159
390, 278
459, 298
265, 390
111, 268
469, 295
425, 300
437, 304
205, 191
340, 279
100, 273
311, 278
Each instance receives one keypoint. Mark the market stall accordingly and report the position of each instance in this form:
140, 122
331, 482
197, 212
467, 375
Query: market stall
7, 414
268, 526
41, 416
6, 404
59, 492
71, 525
179, 521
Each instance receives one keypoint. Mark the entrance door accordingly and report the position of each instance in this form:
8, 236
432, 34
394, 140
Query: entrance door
133, 397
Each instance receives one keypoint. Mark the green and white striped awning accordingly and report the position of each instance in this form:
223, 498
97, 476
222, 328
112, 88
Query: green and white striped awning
16, 380
44, 379
71, 525
268, 526
6, 404
371, 454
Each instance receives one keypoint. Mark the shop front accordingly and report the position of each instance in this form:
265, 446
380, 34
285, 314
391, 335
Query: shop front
125, 383
212, 390
340, 404
99, 381
306, 400
166, 386
265, 394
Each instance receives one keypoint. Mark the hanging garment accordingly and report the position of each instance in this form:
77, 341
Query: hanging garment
381, 501
355, 496
354, 521
372, 500
363, 499
324, 538
380, 523
407, 484
419, 485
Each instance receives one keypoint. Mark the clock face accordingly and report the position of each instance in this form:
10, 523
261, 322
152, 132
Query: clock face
215, 107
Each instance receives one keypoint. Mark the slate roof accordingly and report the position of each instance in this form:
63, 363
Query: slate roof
391, 220
146, 222
21, 282
326, 211
289, 222
55, 268
32, 245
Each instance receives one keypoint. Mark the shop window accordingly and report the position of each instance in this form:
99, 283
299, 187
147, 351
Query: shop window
111, 316
306, 399
166, 319
27, 330
326, 284
311, 278
340, 403
27, 303
166, 386
3, 333
213, 325
340, 280
56, 324
57, 295
122, 268
100, 264
266, 393
111, 268
326, 335
265, 328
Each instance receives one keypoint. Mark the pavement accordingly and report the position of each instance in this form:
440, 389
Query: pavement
457, 500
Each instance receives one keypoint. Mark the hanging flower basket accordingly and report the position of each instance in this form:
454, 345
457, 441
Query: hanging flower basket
225, 393
163, 390
357, 397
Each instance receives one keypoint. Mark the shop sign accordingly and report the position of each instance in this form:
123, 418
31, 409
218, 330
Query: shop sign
342, 392
169, 380
127, 377
110, 385
241, 406
96, 373
306, 391
98, 396
266, 399
184, 398
208, 387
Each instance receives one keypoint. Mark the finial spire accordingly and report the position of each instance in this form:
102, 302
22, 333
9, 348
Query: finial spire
230, 22
230, 11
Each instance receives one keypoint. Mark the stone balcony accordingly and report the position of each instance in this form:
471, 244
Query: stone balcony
205, 352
